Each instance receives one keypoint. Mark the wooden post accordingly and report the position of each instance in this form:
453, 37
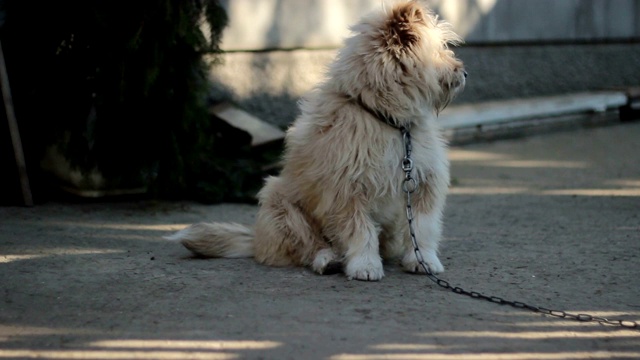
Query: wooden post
15, 133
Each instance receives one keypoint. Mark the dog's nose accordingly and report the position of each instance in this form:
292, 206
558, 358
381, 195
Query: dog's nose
465, 74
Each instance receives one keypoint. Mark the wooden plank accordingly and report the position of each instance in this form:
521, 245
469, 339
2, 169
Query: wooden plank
493, 112
15, 133
260, 131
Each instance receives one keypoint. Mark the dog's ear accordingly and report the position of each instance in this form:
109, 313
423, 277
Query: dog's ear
401, 28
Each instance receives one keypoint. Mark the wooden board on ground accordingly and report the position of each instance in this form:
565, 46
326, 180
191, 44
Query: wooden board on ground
494, 112
260, 131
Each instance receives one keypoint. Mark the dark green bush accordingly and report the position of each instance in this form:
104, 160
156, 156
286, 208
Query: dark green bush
122, 87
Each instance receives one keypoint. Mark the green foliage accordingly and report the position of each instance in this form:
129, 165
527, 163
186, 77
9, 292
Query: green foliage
123, 86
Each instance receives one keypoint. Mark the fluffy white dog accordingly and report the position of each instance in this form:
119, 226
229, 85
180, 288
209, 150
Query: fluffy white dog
339, 196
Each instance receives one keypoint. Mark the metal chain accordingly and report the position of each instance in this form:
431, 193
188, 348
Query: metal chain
409, 186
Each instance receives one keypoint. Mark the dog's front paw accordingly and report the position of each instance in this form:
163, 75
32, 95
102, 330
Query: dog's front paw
364, 268
326, 262
411, 264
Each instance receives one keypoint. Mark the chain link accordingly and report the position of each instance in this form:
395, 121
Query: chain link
409, 186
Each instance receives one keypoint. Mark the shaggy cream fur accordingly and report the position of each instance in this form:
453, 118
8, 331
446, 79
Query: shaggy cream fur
339, 197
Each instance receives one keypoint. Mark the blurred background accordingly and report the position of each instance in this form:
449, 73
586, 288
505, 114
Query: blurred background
277, 49
118, 98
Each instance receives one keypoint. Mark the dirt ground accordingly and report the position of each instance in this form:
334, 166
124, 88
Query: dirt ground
551, 220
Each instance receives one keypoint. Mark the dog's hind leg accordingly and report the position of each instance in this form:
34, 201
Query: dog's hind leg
286, 234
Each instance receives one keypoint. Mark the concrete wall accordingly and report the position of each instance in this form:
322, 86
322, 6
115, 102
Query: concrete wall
269, 84
285, 24
515, 48
546, 20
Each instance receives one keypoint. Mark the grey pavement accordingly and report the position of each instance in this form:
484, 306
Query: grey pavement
550, 220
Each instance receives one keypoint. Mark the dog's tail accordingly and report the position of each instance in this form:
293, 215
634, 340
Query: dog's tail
228, 240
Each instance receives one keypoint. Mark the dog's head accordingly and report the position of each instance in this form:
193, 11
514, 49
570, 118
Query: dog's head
398, 62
